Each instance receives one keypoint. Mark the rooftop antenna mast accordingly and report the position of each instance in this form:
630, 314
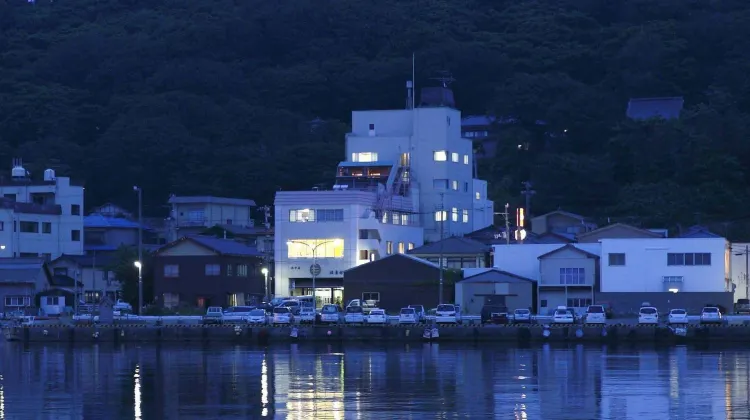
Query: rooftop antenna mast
445, 78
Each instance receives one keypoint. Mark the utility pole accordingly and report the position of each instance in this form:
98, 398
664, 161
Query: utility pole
747, 272
528, 192
443, 217
507, 224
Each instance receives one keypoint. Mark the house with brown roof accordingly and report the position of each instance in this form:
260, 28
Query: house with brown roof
617, 231
456, 251
562, 223
202, 271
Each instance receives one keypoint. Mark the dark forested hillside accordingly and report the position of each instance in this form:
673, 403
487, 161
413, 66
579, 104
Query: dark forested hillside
213, 96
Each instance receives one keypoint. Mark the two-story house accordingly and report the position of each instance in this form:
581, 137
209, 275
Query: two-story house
41, 217
194, 214
94, 271
207, 271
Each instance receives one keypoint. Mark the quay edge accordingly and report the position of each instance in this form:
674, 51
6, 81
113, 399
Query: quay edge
609, 334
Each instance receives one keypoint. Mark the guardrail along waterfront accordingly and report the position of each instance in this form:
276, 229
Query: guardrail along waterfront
265, 334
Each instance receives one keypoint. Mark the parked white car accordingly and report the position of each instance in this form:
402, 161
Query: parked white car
595, 315
237, 313
711, 315
282, 315
257, 316
330, 314
522, 316
121, 305
563, 315
648, 315
354, 315
306, 314
678, 316
421, 314
377, 316
447, 314
408, 316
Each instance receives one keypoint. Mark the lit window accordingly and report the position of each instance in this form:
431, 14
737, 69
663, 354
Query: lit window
322, 248
454, 157
389, 247
405, 219
385, 217
304, 215
441, 216
454, 185
396, 218
466, 159
479, 197
411, 246
440, 184
401, 248
365, 157
454, 214
465, 216
440, 156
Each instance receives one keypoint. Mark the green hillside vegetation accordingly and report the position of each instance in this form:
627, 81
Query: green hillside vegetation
214, 96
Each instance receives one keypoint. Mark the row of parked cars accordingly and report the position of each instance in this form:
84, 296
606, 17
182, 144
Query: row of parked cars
647, 314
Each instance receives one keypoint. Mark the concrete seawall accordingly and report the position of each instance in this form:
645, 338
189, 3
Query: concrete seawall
272, 334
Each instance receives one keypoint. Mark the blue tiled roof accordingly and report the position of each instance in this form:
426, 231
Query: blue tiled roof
99, 221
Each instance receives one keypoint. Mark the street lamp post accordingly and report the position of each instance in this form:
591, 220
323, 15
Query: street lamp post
264, 270
138, 190
314, 269
139, 266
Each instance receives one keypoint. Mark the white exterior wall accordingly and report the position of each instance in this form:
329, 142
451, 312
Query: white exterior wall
56, 243
356, 207
523, 260
739, 269
434, 129
646, 265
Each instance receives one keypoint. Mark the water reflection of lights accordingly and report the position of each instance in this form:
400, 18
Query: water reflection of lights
137, 392
520, 412
264, 387
2, 398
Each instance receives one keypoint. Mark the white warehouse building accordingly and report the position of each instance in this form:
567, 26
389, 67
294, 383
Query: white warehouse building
42, 217
408, 177
669, 273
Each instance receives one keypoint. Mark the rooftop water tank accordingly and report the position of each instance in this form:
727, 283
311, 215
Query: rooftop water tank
49, 175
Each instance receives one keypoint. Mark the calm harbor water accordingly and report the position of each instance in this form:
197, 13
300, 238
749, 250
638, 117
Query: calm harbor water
394, 382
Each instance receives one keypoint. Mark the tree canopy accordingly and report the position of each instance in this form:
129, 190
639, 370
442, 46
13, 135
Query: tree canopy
216, 97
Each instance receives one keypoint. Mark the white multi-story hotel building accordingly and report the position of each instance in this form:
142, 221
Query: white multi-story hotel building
40, 217
408, 177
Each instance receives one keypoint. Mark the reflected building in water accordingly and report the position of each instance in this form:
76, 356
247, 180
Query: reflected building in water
337, 382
